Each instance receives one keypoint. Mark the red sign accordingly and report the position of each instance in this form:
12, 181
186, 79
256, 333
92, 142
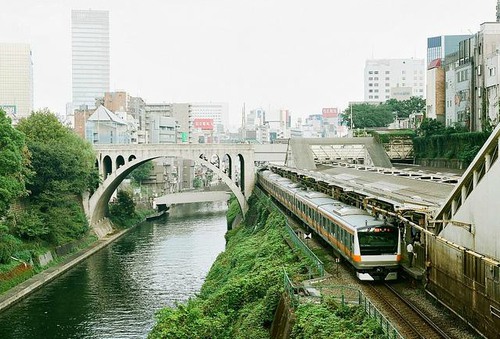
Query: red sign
330, 112
204, 124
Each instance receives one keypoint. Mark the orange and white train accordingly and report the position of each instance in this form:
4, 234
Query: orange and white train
371, 245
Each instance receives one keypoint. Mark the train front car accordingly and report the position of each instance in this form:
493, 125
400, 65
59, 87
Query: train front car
369, 244
377, 251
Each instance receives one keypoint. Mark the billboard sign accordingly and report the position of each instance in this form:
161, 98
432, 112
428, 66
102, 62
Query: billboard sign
331, 112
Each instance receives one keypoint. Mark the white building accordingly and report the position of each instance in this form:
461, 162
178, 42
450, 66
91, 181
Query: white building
90, 56
217, 111
16, 79
393, 79
106, 127
485, 61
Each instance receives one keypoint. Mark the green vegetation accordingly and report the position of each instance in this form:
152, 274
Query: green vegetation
404, 108
142, 173
197, 182
366, 115
44, 169
387, 137
64, 168
14, 161
242, 290
123, 212
233, 210
437, 141
329, 320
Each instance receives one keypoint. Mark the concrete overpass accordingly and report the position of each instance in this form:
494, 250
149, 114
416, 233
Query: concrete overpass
115, 162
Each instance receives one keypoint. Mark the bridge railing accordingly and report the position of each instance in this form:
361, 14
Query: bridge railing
482, 163
292, 236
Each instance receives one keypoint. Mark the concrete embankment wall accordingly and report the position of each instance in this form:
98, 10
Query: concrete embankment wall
34, 283
284, 319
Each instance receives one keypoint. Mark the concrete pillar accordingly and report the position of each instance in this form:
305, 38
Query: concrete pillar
249, 173
475, 176
464, 194
487, 162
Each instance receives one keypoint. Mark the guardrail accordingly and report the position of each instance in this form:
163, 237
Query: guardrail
297, 242
290, 290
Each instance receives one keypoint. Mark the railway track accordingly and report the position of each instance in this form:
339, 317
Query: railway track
411, 321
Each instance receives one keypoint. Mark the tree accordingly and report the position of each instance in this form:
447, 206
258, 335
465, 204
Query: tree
63, 162
123, 208
368, 115
404, 108
64, 166
14, 162
142, 173
430, 127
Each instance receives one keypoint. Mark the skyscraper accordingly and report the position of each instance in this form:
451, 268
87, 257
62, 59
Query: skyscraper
16, 79
90, 56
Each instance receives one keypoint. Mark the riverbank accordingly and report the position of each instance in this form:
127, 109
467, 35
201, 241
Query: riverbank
153, 265
32, 284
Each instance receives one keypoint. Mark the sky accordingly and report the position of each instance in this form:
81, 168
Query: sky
275, 54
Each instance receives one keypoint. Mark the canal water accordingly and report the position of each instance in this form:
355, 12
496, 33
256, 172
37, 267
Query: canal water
116, 292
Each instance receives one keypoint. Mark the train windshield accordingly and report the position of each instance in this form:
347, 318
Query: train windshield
378, 240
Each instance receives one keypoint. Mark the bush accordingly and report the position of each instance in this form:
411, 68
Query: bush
462, 146
8, 245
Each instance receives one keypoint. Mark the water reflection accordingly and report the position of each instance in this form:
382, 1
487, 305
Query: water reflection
115, 293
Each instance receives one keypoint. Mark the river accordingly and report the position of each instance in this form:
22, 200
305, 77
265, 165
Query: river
116, 292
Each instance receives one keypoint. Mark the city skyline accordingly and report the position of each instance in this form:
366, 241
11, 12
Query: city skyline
273, 55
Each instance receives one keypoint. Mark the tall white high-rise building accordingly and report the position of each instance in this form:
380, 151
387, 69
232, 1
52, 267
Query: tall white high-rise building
90, 56
16, 79
394, 79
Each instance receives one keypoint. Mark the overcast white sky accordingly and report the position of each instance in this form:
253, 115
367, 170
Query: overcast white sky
299, 55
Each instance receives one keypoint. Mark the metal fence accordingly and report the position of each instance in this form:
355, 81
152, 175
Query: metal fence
292, 236
346, 296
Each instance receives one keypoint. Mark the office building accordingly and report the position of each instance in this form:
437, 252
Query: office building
216, 111
393, 79
16, 80
439, 47
90, 56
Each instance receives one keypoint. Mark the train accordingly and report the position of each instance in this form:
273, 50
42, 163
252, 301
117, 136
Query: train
369, 243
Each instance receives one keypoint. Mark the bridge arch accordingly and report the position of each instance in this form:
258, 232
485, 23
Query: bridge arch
115, 172
120, 161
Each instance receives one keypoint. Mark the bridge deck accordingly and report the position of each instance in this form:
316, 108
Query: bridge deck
191, 197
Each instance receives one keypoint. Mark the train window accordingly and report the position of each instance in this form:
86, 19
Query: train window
496, 274
378, 240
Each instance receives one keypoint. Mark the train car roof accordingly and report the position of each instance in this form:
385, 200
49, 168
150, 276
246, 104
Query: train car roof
352, 216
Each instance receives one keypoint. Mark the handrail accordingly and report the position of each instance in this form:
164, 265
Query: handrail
489, 148
290, 290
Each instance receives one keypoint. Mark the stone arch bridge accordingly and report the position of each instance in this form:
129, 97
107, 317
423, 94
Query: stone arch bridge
115, 162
